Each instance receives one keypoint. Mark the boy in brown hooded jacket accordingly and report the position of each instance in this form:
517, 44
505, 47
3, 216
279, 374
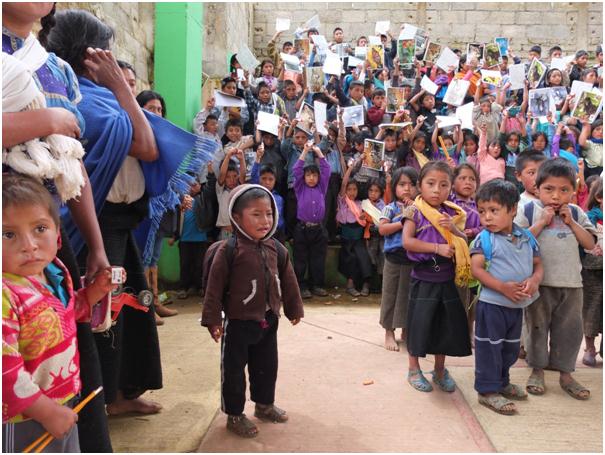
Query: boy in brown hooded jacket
251, 304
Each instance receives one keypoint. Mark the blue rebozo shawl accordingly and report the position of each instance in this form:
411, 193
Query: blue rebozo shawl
107, 141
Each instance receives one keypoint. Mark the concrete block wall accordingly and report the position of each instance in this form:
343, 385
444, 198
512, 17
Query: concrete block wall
571, 25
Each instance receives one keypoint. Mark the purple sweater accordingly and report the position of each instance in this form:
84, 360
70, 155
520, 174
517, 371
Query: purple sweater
311, 201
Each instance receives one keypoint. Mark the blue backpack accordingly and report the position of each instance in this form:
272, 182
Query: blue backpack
486, 237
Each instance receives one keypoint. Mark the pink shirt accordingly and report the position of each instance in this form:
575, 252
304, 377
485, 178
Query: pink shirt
489, 167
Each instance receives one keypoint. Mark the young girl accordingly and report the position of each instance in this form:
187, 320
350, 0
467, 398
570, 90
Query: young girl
512, 144
592, 277
40, 360
267, 76
591, 141
433, 235
470, 147
453, 145
377, 198
488, 161
416, 156
397, 266
353, 260
423, 104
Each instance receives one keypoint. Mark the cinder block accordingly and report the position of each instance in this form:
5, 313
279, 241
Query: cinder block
439, 6
451, 17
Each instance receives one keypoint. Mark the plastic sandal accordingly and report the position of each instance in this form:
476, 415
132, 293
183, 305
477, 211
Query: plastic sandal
513, 392
535, 385
354, 292
420, 384
497, 404
271, 413
446, 383
574, 389
242, 426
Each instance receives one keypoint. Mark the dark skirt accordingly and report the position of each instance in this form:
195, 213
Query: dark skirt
354, 261
436, 320
592, 309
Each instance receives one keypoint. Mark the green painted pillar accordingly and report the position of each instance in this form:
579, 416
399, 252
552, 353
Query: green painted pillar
178, 78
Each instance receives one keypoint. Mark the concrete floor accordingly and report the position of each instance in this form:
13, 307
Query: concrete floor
324, 362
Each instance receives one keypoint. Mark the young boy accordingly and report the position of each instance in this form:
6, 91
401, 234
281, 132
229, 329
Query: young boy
228, 179
526, 170
250, 288
560, 228
40, 359
234, 133
506, 260
310, 236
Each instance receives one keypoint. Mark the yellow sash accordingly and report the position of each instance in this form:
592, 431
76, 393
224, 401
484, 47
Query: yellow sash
422, 160
462, 256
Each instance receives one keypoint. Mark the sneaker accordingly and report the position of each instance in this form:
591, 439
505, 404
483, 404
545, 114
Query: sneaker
305, 294
320, 292
181, 294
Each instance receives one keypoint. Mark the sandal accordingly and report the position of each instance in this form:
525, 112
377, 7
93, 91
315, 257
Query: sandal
590, 359
354, 292
420, 384
535, 384
498, 403
513, 392
181, 294
575, 389
242, 426
446, 383
271, 413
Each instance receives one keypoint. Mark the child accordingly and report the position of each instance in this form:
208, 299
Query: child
470, 147
488, 161
236, 139
453, 146
432, 236
310, 236
250, 288
592, 277
423, 104
40, 359
378, 196
267, 76
512, 144
506, 260
227, 180
266, 176
560, 228
416, 155
397, 266
353, 259
266, 101
526, 170
487, 113
591, 141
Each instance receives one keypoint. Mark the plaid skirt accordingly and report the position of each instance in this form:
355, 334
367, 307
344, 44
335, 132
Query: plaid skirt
436, 320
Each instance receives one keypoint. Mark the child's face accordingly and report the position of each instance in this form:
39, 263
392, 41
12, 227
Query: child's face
332, 136
465, 184
486, 107
405, 189
378, 100
338, 36
555, 192
29, 239
390, 143
448, 142
300, 137
527, 177
290, 91
495, 217
231, 179
362, 42
597, 132
195, 188
287, 48
582, 61
540, 143
267, 180
555, 78
356, 92
311, 179
533, 55
494, 150
211, 126
234, 133
470, 147
264, 95
352, 191
230, 88
419, 144
591, 77
374, 193
268, 69
256, 220
555, 54
268, 140
429, 102
513, 142
407, 91
435, 187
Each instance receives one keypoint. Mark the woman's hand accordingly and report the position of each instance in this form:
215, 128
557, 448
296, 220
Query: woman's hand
63, 122
104, 70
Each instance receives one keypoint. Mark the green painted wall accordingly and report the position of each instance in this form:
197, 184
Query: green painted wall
178, 78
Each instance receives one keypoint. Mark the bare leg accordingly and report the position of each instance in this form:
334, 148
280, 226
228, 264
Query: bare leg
389, 340
138, 406
439, 365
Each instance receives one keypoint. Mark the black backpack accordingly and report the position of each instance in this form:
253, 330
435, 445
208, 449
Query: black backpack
205, 207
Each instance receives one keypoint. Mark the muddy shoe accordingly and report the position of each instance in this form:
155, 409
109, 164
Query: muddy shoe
270, 412
242, 426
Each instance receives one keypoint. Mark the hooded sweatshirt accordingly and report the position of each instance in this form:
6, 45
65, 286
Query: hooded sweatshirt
254, 283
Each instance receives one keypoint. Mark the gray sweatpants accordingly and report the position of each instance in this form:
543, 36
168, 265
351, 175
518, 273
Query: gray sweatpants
558, 312
17, 436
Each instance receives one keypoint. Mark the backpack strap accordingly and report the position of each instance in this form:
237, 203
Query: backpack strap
282, 256
485, 238
528, 211
230, 246
533, 243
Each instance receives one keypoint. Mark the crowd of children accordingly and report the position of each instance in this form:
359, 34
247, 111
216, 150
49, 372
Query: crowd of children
486, 235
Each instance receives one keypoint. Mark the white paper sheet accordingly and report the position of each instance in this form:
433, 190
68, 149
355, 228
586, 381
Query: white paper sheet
557, 63
449, 120
577, 87
446, 59
428, 85
247, 59
320, 41
290, 59
394, 125
516, 75
491, 77
456, 92
374, 41
354, 61
361, 51
370, 209
332, 64
240, 74
268, 122
282, 24
320, 117
313, 23
465, 114
408, 32
226, 100
382, 27
353, 116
